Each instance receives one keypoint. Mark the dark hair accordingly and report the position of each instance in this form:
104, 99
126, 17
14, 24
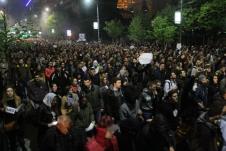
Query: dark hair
223, 91
216, 108
171, 92
115, 79
87, 77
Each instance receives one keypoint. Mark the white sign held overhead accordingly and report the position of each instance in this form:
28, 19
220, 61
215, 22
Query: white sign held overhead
145, 58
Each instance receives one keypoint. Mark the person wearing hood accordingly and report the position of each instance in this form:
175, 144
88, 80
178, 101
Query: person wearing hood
46, 115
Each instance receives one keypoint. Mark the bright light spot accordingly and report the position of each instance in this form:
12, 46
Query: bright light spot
88, 2
69, 33
40, 33
47, 9
35, 16
29, 31
52, 31
95, 25
1, 12
25, 19
2, 1
177, 17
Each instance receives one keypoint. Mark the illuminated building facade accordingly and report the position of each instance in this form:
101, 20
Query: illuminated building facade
124, 4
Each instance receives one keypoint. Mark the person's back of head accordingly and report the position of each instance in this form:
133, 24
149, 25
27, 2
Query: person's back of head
64, 123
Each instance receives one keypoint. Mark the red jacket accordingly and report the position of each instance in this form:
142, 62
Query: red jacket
108, 144
100, 143
48, 72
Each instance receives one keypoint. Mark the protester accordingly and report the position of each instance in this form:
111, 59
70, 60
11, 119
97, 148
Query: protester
12, 116
113, 99
37, 90
104, 72
46, 116
58, 138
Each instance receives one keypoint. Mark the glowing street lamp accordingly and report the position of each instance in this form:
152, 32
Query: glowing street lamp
95, 25
52, 31
88, 2
3, 1
69, 33
47, 9
177, 17
35, 16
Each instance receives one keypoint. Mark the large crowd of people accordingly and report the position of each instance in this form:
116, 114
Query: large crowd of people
82, 97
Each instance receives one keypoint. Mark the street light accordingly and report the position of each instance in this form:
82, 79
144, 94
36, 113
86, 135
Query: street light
47, 9
69, 33
88, 2
52, 31
178, 18
35, 16
3, 1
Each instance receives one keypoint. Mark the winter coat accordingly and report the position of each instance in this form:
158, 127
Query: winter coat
128, 111
107, 144
83, 117
156, 136
94, 97
112, 102
9, 118
204, 137
170, 111
201, 95
22, 73
45, 115
37, 91
61, 79
48, 72
148, 101
55, 141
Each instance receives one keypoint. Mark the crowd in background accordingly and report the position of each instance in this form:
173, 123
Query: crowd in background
64, 97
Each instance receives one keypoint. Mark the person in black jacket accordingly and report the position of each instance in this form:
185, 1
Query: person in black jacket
93, 96
37, 89
61, 78
59, 137
206, 135
46, 117
159, 134
12, 116
113, 99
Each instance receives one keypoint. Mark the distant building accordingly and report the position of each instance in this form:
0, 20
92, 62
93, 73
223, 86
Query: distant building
124, 4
